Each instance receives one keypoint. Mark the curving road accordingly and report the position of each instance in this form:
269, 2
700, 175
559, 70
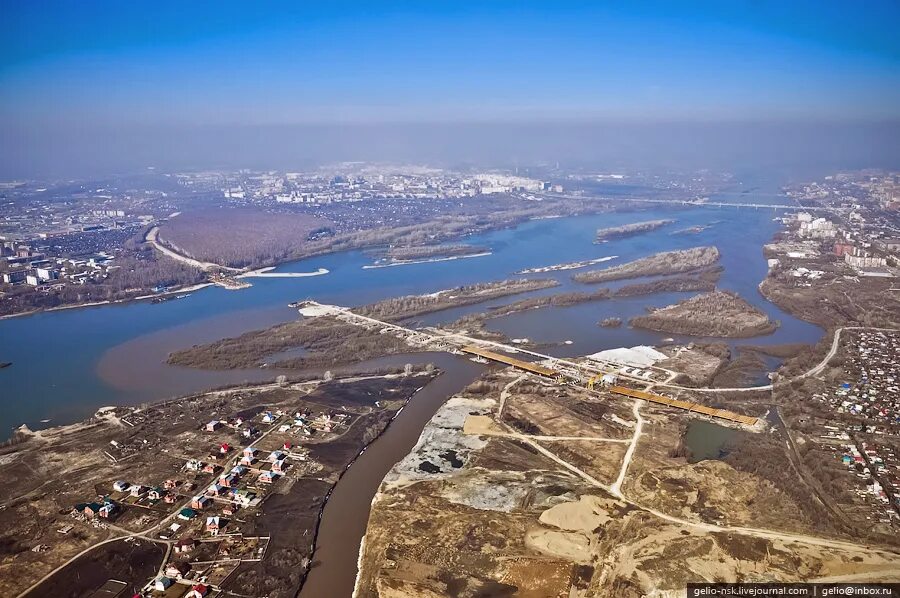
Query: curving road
813, 371
616, 490
152, 237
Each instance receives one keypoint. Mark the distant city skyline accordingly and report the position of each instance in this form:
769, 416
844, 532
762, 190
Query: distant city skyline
112, 85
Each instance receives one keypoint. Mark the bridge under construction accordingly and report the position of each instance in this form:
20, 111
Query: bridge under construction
701, 203
563, 371
540, 370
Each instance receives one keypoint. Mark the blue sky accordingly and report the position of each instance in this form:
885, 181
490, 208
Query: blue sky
225, 62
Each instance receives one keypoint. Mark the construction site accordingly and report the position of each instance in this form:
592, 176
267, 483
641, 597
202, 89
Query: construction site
608, 382
612, 377
520, 485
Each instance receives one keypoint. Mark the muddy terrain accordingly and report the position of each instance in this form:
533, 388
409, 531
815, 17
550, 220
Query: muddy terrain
50, 472
516, 487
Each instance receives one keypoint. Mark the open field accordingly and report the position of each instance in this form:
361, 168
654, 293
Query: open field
493, 500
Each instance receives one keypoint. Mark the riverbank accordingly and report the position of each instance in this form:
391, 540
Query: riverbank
68, 465
426, 261
268, 273
329, 342
167, 293
569, 266
341, 532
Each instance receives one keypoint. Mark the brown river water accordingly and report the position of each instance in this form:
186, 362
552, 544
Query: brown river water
346, 513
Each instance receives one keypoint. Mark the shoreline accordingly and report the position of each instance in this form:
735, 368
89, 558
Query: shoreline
315, 539
426, 261
259, 273
311, 254
567, 266
178, 291
267, 273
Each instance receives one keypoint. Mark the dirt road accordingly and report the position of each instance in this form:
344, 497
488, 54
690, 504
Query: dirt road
152, 237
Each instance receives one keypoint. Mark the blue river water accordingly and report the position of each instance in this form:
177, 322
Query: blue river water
68, 363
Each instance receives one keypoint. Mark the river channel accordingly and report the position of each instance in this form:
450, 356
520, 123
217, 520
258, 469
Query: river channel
66, 364
346, 513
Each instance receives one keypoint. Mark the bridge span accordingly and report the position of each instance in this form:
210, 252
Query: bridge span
698, 203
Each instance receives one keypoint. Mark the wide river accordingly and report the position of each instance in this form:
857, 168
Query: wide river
67, 363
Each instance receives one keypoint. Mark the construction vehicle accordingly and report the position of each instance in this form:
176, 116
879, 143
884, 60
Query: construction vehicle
604, 379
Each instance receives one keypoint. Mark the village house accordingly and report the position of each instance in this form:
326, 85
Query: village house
216, 490
186, 514
228, 480
177, 570
162, 583
244, 497
94, 509
213, 425
279, 466
157, 493
198, 591
249, 457
121, 486
200, 502
267, 477
185, 544
108, 509
214, 525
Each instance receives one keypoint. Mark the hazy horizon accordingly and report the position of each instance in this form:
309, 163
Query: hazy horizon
789, 148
